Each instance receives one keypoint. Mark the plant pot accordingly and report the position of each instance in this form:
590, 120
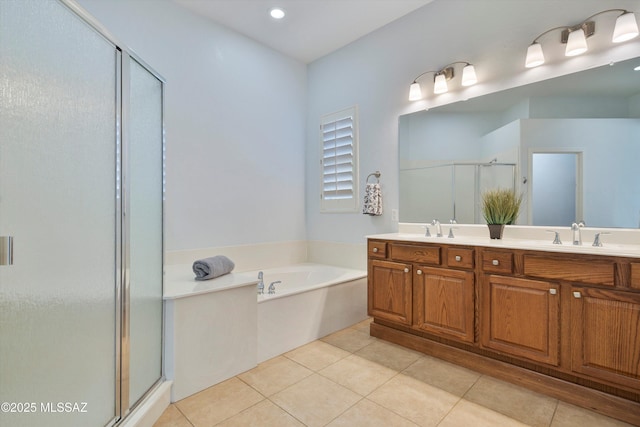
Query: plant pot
495, 230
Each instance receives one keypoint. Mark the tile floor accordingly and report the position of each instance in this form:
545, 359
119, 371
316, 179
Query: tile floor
351, 379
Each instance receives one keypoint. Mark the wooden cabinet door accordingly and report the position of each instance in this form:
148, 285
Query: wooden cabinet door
605, 335
443, 302
521, 317
390, 291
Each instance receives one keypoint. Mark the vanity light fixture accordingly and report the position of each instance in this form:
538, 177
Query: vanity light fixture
575, 37
441, 77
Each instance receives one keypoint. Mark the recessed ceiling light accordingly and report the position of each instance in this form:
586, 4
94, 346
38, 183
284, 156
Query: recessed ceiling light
277, 13
637, 68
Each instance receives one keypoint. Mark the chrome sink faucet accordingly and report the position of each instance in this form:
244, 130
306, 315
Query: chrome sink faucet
436, 223
577, 235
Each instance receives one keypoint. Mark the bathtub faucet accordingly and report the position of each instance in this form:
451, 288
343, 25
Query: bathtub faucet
272, 286
260, 283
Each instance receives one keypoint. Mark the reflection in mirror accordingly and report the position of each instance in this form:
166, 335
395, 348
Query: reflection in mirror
450, 154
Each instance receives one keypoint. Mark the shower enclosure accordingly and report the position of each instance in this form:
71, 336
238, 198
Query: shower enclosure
451, 191
81, 220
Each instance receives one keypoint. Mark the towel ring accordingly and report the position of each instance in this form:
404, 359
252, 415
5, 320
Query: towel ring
376, 174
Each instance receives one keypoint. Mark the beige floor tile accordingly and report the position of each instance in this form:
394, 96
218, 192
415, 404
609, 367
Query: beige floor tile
349, 339
412, 399
568, 415
358, 374
172, 417
438, 373
264, 414
513, 401
219, 402
467, 413
368, 414
390, 355
275, 375
315, 400
363, 326
317, 355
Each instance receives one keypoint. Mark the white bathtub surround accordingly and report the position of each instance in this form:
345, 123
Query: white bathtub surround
216, 329
247, 257
210, 328
348, 255
312, 301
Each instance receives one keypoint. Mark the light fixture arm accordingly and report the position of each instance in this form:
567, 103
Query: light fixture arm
606, 11
548, 31
443, 70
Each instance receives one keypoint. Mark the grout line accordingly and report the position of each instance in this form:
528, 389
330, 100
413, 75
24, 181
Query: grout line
183, 414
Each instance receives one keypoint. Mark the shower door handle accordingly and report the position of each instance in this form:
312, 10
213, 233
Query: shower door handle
6, 250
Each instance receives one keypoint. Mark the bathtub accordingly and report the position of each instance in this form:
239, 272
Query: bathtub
215, 329
312, 300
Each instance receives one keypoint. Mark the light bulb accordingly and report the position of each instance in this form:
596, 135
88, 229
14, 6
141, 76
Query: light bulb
576, 43
469, 75
535, 56
440, 84
414, 92
626, 28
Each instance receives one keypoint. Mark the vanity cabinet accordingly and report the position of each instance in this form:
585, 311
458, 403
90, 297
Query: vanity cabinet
605, 335
521, 317
566, 324
429, 288
390, 291
443, 302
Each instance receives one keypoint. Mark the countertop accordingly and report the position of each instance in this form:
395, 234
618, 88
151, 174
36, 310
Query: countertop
608, 249
180, 282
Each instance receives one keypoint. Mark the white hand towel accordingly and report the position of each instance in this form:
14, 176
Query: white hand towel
372, 200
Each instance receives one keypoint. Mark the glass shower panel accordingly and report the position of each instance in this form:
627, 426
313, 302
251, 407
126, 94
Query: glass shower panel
429, 194
57, 200
145, 216
464, 193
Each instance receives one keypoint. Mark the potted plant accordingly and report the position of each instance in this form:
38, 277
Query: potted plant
499, 207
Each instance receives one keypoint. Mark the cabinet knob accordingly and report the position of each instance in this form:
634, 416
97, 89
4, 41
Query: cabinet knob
406, 269
553, 291
419, 272
375, 250
495, 262
458, 258
577, 295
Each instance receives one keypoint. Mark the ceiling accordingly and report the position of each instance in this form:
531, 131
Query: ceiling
311, 28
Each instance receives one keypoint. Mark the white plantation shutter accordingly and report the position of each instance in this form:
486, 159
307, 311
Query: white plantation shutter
338, 137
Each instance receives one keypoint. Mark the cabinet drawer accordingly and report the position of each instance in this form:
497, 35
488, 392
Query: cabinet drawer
596, 272
497, 262
635, 275
459, 257
377, 249
415, 253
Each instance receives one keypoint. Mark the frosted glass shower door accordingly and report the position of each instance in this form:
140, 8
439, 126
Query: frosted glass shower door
57, 200
145, 198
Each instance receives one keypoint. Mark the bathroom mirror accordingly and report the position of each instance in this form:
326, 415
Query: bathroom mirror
523, 138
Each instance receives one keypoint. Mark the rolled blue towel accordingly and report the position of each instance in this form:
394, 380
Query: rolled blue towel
210, 268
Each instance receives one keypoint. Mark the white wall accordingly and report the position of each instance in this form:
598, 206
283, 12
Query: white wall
234, 125
375, 72
236, 111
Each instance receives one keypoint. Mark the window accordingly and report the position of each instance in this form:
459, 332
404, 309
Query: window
339, 141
